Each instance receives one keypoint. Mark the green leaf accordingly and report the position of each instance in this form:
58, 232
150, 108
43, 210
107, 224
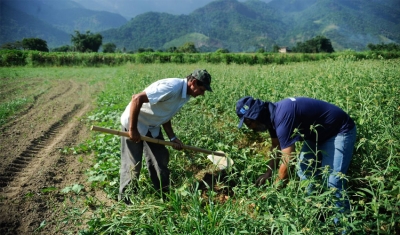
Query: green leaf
49, 189
66, 190
97, 178
77, 188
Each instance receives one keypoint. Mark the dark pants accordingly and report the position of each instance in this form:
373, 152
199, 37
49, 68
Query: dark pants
157, 158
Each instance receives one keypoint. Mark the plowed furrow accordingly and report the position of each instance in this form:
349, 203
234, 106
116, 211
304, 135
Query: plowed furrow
60, 94
23, 112
34, 104
22, 161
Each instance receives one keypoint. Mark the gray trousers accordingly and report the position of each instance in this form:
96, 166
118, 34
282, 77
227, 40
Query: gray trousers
157, 158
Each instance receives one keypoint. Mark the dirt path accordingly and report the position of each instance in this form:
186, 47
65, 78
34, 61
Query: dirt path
32, 168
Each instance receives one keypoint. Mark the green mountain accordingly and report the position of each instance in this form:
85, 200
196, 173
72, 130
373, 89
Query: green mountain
349, 24
68, 15
247, 26
230, 24
226, 23
238, 26
53, 21
16, 25
148, 30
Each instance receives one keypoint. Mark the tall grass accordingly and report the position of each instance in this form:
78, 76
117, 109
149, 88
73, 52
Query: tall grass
231, 204
228, 202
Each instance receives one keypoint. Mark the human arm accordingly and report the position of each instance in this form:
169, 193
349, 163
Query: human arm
272, 163
136, 103
287, 155
178, 145
284, 156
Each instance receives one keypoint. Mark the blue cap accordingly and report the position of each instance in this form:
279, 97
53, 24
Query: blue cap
250, 108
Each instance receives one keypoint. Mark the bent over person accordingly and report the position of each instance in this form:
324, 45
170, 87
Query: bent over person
145, 114
329, 135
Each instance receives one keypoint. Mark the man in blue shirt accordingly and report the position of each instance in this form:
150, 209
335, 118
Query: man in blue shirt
328, 133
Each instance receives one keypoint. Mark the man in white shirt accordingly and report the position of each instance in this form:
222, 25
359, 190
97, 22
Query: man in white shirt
145, 114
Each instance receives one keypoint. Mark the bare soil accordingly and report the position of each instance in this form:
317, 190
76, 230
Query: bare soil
33, 169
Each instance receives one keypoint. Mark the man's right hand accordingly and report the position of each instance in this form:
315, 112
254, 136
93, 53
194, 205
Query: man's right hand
178, 145
134, 136
264, 177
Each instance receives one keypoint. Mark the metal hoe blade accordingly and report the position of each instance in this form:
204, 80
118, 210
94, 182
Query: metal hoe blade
221, 162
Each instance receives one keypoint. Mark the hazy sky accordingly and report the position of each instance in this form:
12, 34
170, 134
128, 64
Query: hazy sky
131, 8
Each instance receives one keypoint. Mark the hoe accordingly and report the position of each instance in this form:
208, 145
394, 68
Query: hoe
218, 158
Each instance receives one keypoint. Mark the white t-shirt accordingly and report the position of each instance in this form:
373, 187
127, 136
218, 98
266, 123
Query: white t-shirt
166, 98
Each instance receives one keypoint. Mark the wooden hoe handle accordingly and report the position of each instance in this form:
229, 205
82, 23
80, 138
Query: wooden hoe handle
156, 141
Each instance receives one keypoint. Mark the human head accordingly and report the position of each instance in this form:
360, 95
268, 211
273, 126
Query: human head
254, 113
203, 78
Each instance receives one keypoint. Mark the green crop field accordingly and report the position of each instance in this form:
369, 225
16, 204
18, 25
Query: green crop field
228, 202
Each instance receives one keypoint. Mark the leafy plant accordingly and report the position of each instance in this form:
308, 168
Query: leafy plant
76, 188
231, 203
202, 201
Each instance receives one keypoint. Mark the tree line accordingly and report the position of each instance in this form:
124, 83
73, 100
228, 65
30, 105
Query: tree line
90, 42
86, 42
384, 47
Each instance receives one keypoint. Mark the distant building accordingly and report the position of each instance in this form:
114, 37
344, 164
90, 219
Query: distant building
284, 50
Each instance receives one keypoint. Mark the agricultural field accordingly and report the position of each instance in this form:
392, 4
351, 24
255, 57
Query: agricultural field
58, 177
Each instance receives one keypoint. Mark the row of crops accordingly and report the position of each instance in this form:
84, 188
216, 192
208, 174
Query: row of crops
228, 202
36, 58
367, 89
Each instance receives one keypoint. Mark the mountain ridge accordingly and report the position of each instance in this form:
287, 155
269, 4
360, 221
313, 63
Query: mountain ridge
31, 27
65, 15
237, 26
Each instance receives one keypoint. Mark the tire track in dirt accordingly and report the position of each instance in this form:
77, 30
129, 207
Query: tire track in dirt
19, 163
33, 105
32, 161
20, 125
22, 112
